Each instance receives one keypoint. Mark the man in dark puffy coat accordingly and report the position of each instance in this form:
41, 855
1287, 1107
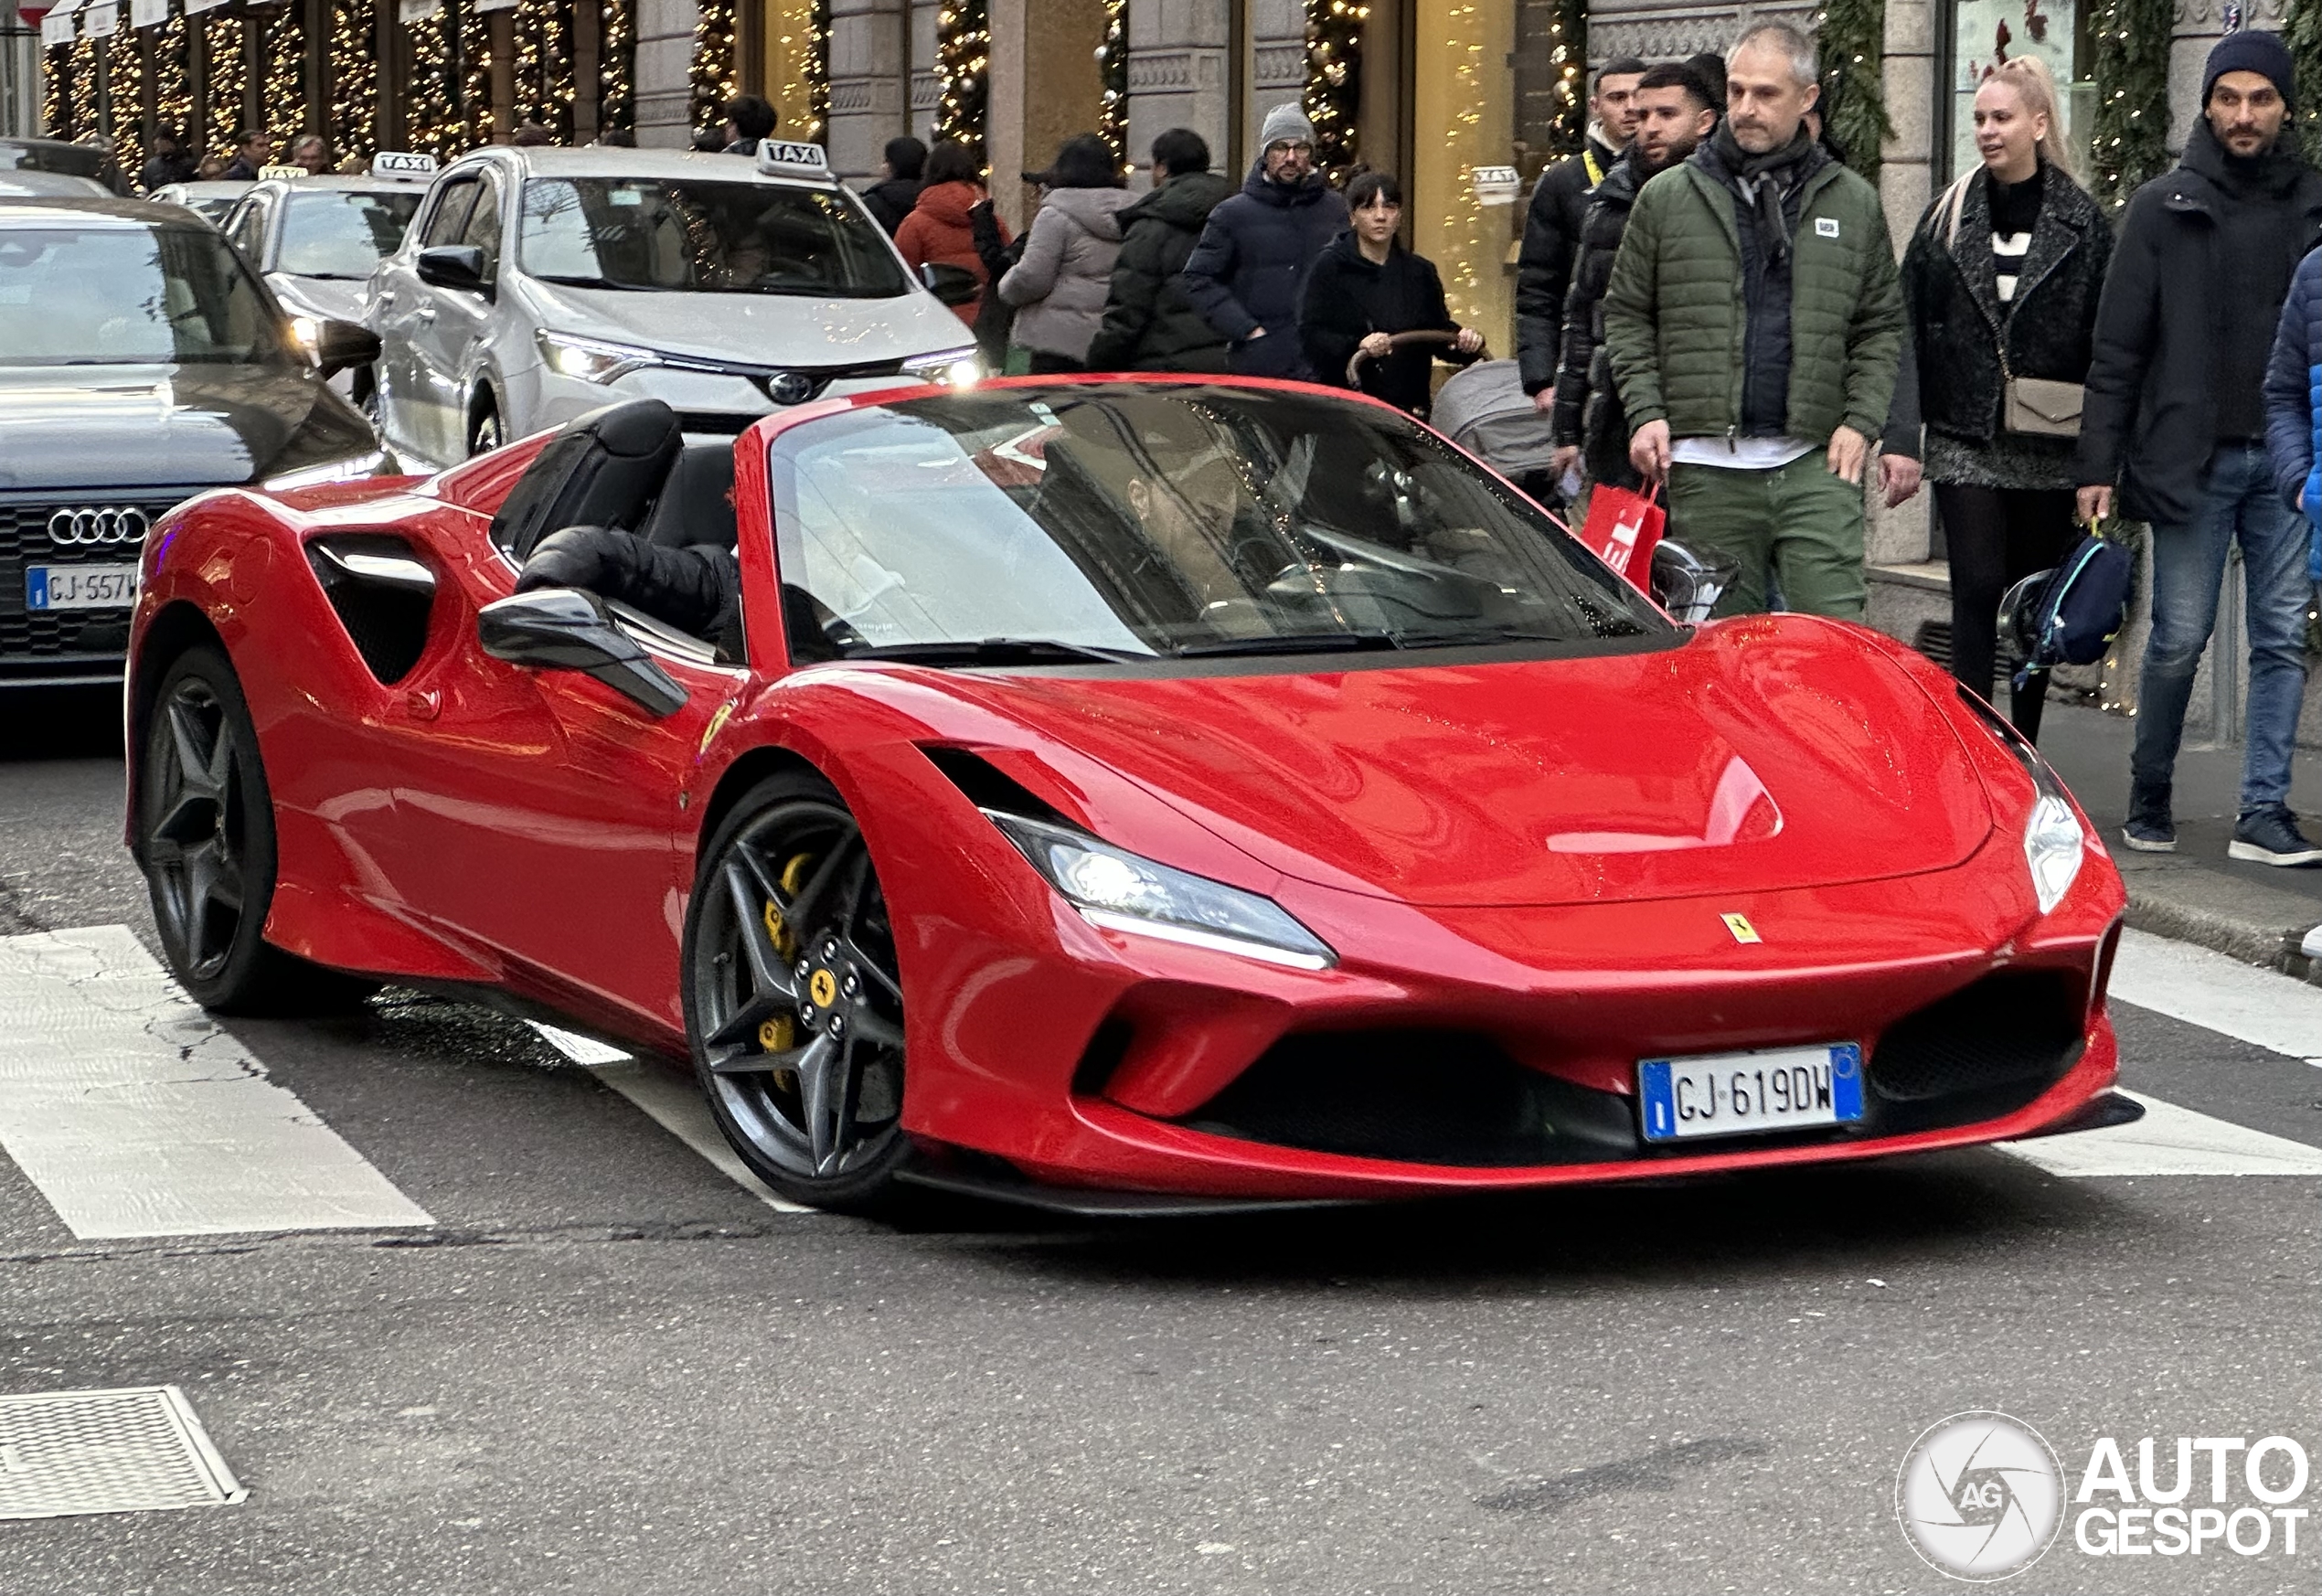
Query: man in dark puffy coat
2175, 415
1150, 324
1552, 225
1673, 115
1246, 272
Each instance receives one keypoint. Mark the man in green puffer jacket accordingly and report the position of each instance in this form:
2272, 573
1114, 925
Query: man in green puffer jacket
1753, 321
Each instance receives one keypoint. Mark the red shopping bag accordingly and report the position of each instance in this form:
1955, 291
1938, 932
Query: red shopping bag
1622, 528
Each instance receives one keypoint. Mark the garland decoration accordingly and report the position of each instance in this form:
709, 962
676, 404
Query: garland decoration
713, 62
283, 81
353, 125
963, 72
1333, 99
2301, 32
1851, 35
1568, 53
2128, 141
1112, 71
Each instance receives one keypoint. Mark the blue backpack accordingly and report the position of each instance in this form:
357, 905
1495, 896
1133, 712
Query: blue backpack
2075, 615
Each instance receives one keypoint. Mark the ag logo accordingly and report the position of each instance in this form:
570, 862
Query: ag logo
1980, 1496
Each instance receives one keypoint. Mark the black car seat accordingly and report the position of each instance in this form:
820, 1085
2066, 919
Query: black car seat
601, 469
696, 502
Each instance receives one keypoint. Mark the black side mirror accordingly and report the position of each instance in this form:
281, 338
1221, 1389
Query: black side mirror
563, 629
340, 345
955, 286
459, 266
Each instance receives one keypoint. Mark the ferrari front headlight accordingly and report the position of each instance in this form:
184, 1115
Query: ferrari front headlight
1122, 891
589, 359
958, 367
2054, 843
2053, 847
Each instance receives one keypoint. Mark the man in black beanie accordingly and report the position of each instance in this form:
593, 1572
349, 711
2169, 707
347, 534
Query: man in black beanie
2175, 415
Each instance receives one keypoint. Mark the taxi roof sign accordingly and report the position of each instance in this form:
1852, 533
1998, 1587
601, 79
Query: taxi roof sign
280, 173
414, 163
781, 158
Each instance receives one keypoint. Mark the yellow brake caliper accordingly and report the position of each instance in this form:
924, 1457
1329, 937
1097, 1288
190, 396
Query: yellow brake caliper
780, 1034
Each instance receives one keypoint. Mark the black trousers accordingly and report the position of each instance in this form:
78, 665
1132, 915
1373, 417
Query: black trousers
1047, 365
1997, 538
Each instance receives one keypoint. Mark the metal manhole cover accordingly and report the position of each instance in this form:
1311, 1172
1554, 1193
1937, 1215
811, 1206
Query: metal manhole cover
130, 1451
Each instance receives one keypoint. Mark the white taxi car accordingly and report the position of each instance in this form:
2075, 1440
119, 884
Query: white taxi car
540, 284
316, 240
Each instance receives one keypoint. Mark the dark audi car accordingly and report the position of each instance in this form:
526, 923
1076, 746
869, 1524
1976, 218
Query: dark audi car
141, 362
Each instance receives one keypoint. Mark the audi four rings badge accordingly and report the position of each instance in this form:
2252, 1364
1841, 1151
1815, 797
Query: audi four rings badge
95, 527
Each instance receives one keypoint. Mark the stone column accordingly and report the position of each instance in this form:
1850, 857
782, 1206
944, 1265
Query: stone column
1044, 88
1177, 76
1900, 537
665, 72
866, 82
1277, 63
925, 88
1659, 30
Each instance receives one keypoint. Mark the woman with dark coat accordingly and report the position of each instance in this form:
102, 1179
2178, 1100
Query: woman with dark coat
1364, 286
2002, 279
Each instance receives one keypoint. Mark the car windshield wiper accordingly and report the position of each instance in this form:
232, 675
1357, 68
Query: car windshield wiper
993, 651
1293, 642
568, 279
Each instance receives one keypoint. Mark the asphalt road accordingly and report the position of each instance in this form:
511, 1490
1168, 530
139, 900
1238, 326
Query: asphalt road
608, 1368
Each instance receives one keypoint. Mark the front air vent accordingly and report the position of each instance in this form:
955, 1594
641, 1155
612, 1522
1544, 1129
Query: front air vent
384, 595
986, 786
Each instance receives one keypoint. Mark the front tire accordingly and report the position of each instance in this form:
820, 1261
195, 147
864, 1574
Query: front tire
793, 1003
484, 432
206, 836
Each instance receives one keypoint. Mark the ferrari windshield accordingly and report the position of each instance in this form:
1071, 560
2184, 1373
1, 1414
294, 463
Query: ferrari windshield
109, 295
343, 232
696, 237
1146, 520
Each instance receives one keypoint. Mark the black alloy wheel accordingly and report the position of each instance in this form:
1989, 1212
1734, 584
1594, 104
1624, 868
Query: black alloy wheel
206, 836
793, 1000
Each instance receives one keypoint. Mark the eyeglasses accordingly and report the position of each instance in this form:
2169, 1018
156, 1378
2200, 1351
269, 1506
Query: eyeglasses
1286, 147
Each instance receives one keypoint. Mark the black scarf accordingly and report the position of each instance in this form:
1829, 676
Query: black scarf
1770, 176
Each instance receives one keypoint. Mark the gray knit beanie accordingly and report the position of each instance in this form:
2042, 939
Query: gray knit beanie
1286, 125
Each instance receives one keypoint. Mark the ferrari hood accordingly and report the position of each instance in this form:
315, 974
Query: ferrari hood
1762, 755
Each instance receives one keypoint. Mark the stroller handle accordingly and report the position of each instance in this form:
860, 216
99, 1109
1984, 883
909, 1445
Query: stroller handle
1404, 340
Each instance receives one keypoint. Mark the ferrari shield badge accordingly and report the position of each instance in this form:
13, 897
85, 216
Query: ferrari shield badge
1743, 932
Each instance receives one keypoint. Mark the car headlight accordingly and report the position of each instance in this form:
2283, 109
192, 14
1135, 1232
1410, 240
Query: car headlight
959, 368
354, 465
1120, 891
589, 359
2054, 844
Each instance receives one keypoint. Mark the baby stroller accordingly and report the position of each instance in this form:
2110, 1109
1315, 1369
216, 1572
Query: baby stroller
1486, 411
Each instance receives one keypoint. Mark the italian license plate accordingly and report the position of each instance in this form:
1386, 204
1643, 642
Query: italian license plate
1733, 1094
79, 587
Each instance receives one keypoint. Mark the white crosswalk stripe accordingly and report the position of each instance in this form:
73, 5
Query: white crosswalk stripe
135, 1115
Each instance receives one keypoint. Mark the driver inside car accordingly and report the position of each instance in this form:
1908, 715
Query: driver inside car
697, 588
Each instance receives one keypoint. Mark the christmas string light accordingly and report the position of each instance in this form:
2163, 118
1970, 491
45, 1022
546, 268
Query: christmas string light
1567, 128
352, 127
963, 72
222, 47
125, 97
713, 62
617, 53
475, 109
2301, 32
1850, 38
172, 86
430, 112
2131, 67
284, 82
1333, 97
1112, 73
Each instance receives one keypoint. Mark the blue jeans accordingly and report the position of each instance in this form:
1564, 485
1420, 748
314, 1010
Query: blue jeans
2189, 567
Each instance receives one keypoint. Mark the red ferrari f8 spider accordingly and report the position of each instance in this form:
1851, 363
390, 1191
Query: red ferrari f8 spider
1112, 793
